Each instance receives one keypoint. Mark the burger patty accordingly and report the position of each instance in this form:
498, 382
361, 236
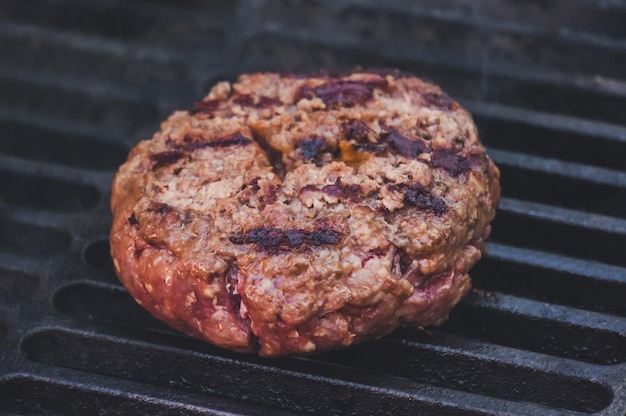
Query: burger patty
288, 214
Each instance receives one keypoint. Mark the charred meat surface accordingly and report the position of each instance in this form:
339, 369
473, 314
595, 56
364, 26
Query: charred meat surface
286, 214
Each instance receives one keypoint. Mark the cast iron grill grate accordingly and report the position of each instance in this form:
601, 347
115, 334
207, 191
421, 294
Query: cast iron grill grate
545, 334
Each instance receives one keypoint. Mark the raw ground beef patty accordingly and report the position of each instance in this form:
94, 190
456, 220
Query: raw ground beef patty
287, 214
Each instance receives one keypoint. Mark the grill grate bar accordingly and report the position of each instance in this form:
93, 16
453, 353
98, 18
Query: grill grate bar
125, 48
95, 89
79, 17
565, 216
596, 271
542, 58
594, 129
35, 394
475, 14
199, 362
43, 170
531, 309
481, 25
163, 11
560, 168
553, 279
73, 128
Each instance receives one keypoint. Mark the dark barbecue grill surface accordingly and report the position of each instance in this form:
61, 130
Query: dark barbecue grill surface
80, 82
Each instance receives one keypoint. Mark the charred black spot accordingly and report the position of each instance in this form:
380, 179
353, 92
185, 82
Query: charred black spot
275, 238
265, 101
355, 130
452, 162
161, 208
339, 190
416, 195
401, 144
166, 158
132, 220
244, 100
439, 100
205, 107
313, 149
342, 93
254, 184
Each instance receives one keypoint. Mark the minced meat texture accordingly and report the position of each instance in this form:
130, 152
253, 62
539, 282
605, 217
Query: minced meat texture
286, 214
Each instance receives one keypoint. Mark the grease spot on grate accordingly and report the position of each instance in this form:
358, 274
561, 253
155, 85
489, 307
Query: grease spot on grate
16, 286
45, 193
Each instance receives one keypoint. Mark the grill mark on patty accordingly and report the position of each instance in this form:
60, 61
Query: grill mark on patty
355, 130
272, 239
388, 139
313, 149
358, 131
440, 101
342, 93
247, 100
132, 220
418, 196
235, 139
452, 162
161, 208
169, 157
455, 163
352, 192
166, 158
401, 144
204, 107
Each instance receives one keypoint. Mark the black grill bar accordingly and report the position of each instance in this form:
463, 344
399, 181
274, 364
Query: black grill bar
543, 333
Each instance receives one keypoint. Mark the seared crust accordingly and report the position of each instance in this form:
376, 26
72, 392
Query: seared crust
285, 214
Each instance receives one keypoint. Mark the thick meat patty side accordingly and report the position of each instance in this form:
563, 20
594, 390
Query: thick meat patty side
286, 214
